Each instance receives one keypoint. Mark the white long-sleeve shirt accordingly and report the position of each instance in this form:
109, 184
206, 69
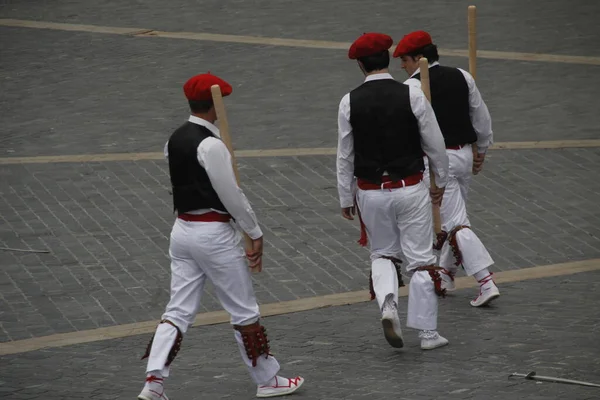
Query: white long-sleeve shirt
478, 111
215, 158
432, 142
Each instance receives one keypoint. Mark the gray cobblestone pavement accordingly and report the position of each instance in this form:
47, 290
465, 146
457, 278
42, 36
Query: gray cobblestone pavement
544, 325
97, 93
507, 25
106, 226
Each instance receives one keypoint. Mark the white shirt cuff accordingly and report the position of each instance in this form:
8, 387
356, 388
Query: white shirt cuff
255, 233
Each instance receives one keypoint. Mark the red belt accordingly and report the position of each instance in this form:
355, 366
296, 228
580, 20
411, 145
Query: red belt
457, 147
387, 183
211, 216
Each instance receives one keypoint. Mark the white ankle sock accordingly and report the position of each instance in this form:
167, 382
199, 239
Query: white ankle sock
272, 382
484, 273
154, 373
428, 334
388, 302
154, 385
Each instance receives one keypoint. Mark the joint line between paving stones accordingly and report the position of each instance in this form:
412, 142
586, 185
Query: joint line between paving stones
306, 43
273, 309
289, 152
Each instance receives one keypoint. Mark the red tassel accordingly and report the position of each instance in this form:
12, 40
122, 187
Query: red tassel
363, 241
454, 244
440, 239
437, 283
435, 277
363, 235
371, 288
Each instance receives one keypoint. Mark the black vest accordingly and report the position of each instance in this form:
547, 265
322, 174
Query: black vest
191, 186
450, 101
385, 130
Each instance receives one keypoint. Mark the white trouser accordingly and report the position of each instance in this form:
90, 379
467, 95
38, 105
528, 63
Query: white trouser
461, 167
399, 221
454, 213
201, 250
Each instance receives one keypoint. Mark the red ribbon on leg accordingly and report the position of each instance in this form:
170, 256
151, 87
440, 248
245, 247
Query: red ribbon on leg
363, 241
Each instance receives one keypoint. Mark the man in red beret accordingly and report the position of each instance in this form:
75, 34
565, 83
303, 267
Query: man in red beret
464, 119
384, 128
205, 246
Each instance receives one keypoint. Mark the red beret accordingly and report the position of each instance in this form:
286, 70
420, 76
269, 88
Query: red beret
411, 42
369, 44
198, 87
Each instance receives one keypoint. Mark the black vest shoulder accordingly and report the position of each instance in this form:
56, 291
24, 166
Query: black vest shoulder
450, 101
192, 189
385, 131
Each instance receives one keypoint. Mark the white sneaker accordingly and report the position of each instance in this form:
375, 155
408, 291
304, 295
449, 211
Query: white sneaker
432, 340
488, 291
153, 390
280, 387
448, 280
391, 324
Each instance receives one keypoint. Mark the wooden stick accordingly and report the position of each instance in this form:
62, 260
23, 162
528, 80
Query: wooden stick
224, 131
224, 125
472, 30
424, 70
